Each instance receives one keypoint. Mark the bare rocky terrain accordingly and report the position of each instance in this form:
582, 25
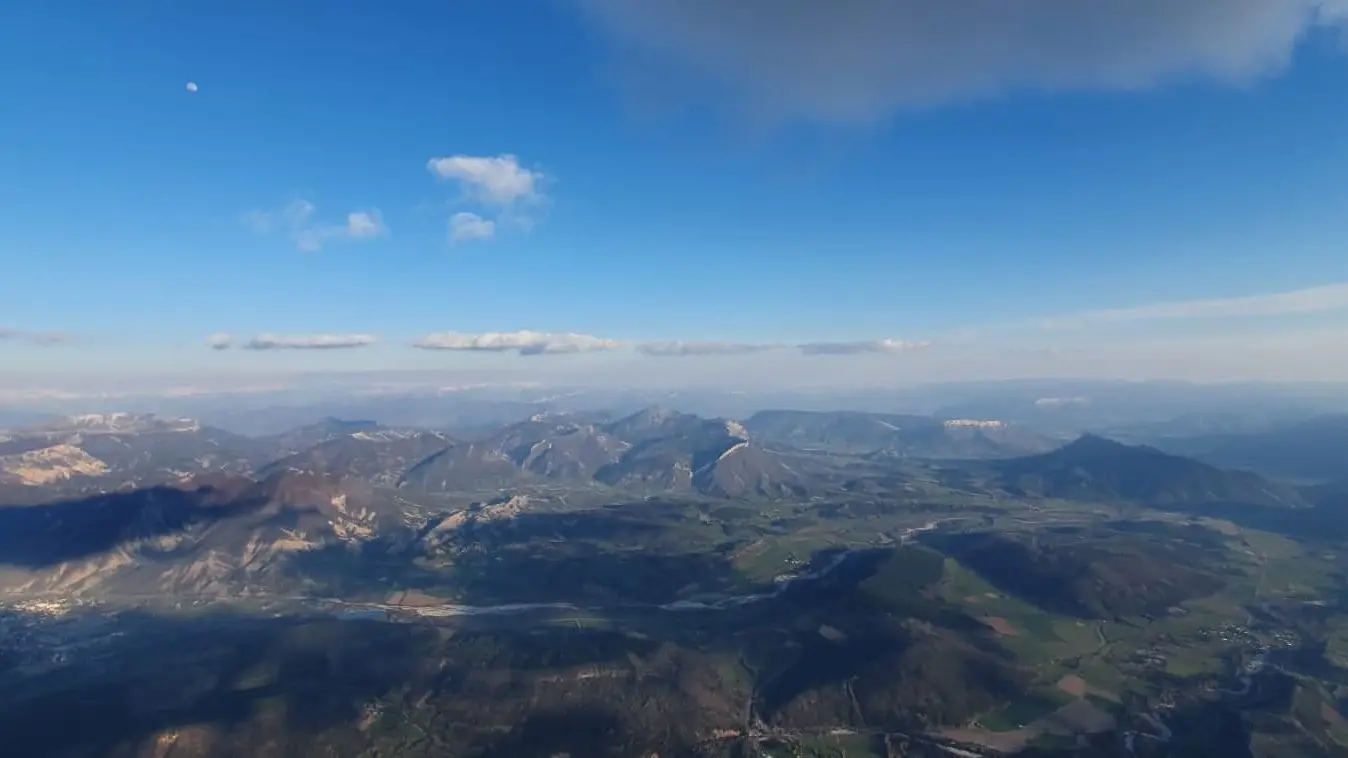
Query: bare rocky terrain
655, 583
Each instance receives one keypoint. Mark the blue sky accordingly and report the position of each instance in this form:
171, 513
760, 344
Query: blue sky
650, 172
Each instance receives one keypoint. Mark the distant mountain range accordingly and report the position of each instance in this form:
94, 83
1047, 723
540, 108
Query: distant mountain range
654, 449
1101, 470
93, 453
900, 435
1311, 450
360, 505
773, 454
326, 429
375, 455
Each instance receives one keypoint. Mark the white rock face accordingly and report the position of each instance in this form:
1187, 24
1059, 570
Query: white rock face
737, 447
50, 464
494, 512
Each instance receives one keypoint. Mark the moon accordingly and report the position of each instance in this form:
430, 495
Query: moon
191, 86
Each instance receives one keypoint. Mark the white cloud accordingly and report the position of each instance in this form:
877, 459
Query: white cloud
364, 224
544, 343
859, 348
465, 226
857, 61
491, 180
308, 342
1329, 297
523, 342
498, 183
220, 341
296, 220
683, 349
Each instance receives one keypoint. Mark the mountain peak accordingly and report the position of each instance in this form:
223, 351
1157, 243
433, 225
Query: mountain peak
652, 420
1100, 469
336, 424
896, 435
654, 414
1093, 447
1095, 443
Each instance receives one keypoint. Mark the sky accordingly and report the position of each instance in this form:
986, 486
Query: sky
865, 192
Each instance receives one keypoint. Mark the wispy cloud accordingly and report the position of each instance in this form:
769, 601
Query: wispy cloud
465, 226
523, 342
491, 180
861, 348
44, 339
365, 224
51, 338
863, 60
1330, 297
296, 221
683, 349
295, 215
220, 341
295, 342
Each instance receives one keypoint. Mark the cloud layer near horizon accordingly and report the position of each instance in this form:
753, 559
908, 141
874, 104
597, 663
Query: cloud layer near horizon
1273, 308
293, 342
861, 348
1329, 297
684, 349
858, 61
523, 342
554, 343
45, 339
559, 343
